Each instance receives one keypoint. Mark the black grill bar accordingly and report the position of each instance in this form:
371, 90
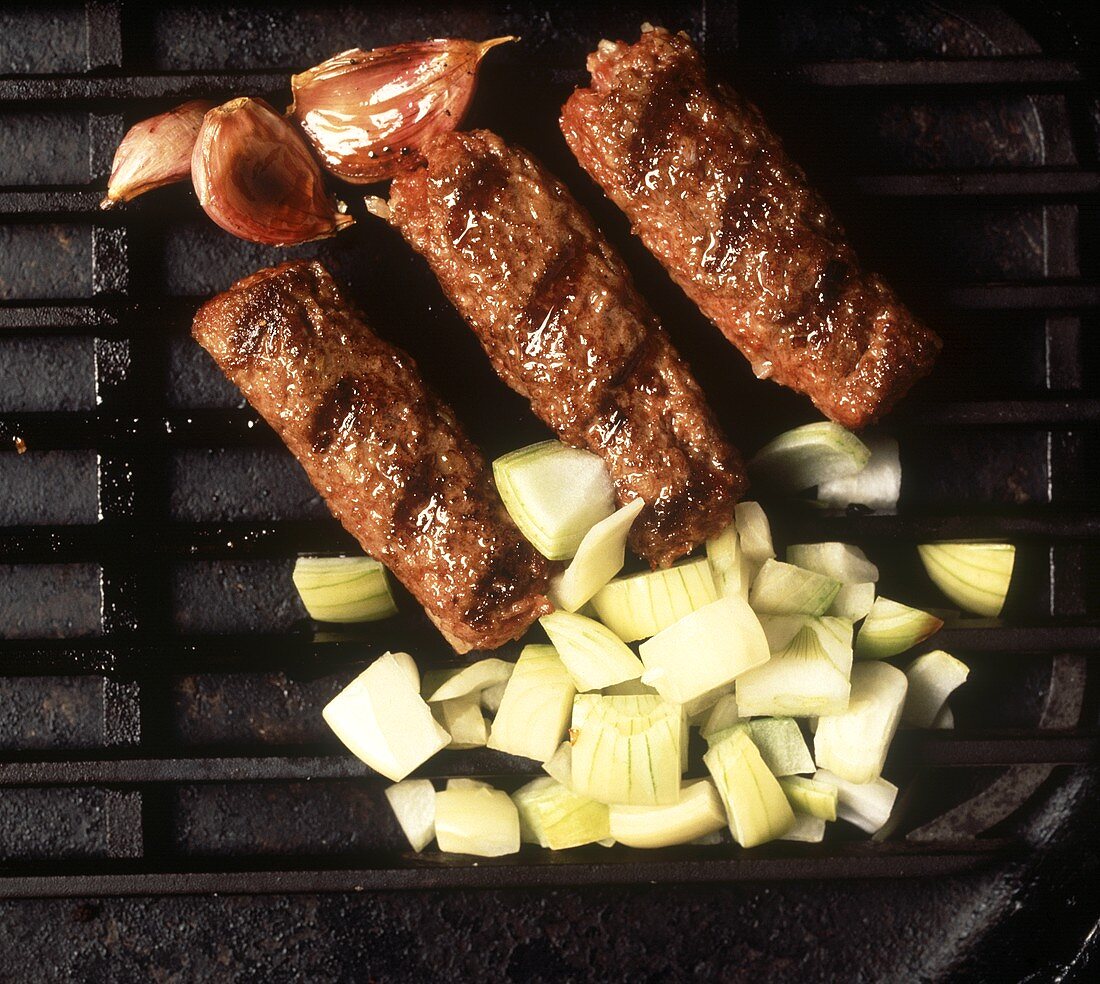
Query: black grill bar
538, 869
301, 653
77, 318
942, 749
243, 428
1031, 183
1050, 294
286, 538
1033, 74
972, 72
130, 89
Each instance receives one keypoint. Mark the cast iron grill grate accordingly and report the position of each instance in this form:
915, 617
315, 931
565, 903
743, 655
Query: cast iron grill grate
162, 692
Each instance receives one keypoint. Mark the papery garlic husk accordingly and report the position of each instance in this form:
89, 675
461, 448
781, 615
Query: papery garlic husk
257, 179
155, 152
367, 112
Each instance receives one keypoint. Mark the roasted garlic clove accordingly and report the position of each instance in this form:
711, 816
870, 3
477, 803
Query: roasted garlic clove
256, 178
367, 112
155, 152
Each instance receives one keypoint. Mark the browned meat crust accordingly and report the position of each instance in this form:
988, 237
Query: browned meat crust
555, 309
385, 452
712, 194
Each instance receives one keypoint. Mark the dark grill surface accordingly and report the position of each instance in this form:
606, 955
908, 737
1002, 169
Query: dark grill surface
160, 689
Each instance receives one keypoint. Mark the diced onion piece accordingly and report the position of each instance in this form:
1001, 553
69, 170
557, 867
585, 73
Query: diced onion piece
599, 558
933, 677
555, 494
730, 569
721, 716
779, 630
434, 679
853, 601
685, 740
491, 697
868, 805
408, 664
808, 676
559, 818
708, 648
807, 456
783, 589
698, 813
464, 721
463, 783
854, 744
840, 561
483, 822
975, 576
560, 765
344, 589
527, 833
536, 705
472, 679
877, 485
755, 803
627, 749
594, 656
384, 721
628, 688
808, 830
891, 628
413, 803
698, 709
811, 796
641, 605
781, 745
754, 532
584, 704
945, 720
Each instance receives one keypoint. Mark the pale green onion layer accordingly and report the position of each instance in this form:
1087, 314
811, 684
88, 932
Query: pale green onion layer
807, 456
555, 494
534, 711
641, 605
891, 628
975, 576
479, 821
344, 589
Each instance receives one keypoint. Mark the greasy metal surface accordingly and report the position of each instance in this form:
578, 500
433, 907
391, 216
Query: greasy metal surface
969, 181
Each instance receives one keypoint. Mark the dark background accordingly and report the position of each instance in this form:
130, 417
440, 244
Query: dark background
140, 539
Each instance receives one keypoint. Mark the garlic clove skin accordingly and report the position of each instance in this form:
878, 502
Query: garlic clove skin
256, 178
367, 112
155, 152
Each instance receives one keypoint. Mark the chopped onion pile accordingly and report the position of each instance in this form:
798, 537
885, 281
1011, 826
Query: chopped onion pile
797, 703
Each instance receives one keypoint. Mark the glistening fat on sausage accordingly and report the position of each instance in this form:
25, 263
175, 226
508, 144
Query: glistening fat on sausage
556, 311
385, 452
710, 191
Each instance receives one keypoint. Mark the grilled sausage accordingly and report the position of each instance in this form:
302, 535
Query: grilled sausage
556, 311
385, 452
712, 194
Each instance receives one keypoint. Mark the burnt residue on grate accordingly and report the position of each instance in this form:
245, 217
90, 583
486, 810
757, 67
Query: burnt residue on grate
149, 530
